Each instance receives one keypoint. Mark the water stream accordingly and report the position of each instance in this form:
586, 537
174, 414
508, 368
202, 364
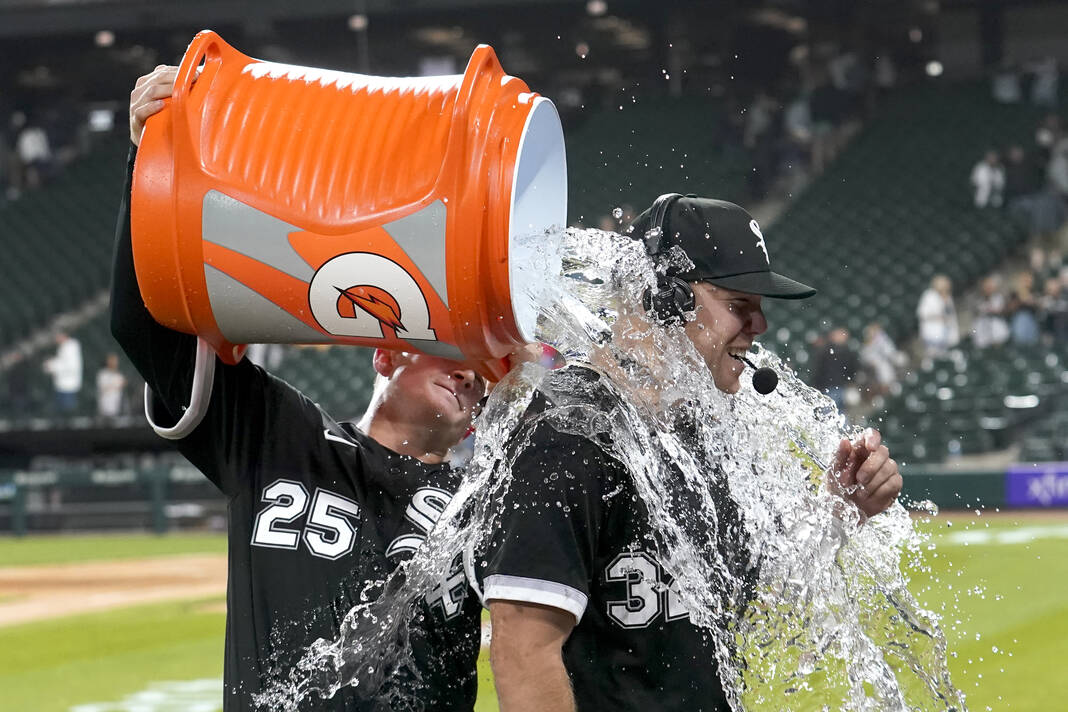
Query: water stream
807, 604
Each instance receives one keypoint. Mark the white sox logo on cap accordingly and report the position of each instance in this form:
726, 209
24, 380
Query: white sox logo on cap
760, 239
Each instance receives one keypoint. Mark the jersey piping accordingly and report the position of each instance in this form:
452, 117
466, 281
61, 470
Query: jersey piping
502, 587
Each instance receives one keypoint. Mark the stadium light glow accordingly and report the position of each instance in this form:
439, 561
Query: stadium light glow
934, 68
596, 8
1021, 402
101, 120
358, 22
104, 38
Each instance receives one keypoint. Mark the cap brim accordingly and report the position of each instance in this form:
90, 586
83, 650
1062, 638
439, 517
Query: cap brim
766, 284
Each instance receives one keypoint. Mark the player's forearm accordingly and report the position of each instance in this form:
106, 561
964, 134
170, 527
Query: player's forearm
163, 357
532, 683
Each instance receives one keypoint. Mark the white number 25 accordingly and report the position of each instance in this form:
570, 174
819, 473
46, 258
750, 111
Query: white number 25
329, 532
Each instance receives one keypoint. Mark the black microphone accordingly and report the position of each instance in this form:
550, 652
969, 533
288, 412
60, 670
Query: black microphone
764, 379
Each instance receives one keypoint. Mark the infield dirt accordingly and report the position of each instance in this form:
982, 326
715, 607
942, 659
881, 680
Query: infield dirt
31, 593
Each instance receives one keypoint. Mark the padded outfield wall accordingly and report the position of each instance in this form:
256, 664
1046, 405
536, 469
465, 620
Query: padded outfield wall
177, 497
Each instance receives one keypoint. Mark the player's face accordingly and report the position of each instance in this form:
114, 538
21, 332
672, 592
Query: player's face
727, 322
441, 391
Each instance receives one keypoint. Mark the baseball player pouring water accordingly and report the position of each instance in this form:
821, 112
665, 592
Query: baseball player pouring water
583, 614
318, 508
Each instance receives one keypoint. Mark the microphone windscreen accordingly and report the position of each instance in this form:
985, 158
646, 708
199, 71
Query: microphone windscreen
765, 380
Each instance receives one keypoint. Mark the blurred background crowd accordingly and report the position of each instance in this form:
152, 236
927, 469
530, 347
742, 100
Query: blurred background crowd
910, 158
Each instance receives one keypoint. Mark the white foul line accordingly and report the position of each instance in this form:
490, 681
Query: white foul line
1002, 537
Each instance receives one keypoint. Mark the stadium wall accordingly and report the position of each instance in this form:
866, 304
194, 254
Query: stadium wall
164, 498
158, 499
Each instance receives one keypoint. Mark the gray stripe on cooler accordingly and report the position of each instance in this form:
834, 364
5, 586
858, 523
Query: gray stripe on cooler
247, 317
422, 237
436, 348
229, 223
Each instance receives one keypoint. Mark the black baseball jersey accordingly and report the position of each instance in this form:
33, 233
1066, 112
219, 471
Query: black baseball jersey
575, 535
317, 513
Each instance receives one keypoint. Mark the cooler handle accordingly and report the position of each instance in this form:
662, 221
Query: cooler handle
199, 397
210, 48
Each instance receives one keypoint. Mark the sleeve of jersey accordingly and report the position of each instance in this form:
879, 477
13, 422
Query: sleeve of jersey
545, 544
244, 398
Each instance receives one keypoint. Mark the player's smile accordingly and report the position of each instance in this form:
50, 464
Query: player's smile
727, 323
459, 403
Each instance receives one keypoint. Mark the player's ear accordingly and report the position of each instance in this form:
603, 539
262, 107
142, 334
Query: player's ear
384, 362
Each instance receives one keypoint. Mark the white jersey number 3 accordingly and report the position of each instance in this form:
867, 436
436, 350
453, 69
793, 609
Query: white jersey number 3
647, 597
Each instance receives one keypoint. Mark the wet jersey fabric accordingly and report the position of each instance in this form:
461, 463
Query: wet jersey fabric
318, 515
575, 535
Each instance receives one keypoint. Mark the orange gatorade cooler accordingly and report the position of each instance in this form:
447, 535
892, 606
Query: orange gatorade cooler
282, 204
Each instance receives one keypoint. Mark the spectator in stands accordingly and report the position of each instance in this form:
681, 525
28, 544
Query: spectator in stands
1022, 176
797, 144
1022, 308
1053, 307
760, 137
937, 314
1047, 134
989, 328
849, 76
884, 72
988, 178
1046, 82
882, 358
828, 111
1038, 263
1005, 83
835, 367
1055, 262
6, 160
1036, 209
110, 388
1057, 170
34, 154
18, 382
66, 371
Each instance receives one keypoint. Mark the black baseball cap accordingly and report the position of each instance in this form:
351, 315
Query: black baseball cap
724, 243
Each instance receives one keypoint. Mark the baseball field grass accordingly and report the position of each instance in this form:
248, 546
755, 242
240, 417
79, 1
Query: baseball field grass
997, 581
999, 585
57, 664
35, 550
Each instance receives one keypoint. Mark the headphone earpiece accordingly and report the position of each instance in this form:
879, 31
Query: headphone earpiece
670, 301
673, 296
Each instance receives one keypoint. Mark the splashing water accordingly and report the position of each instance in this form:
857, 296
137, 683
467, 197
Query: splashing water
807, 605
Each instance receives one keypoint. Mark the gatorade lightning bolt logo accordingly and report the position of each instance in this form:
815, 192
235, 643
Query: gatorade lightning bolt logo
380, 294
376, 302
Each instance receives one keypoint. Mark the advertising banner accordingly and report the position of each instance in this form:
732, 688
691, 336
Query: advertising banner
1037, 485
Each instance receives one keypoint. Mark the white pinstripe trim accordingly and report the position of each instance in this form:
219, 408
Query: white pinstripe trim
529, 590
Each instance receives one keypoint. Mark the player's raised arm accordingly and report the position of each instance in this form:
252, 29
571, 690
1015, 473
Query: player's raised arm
527, 657
163, 357
243, 398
